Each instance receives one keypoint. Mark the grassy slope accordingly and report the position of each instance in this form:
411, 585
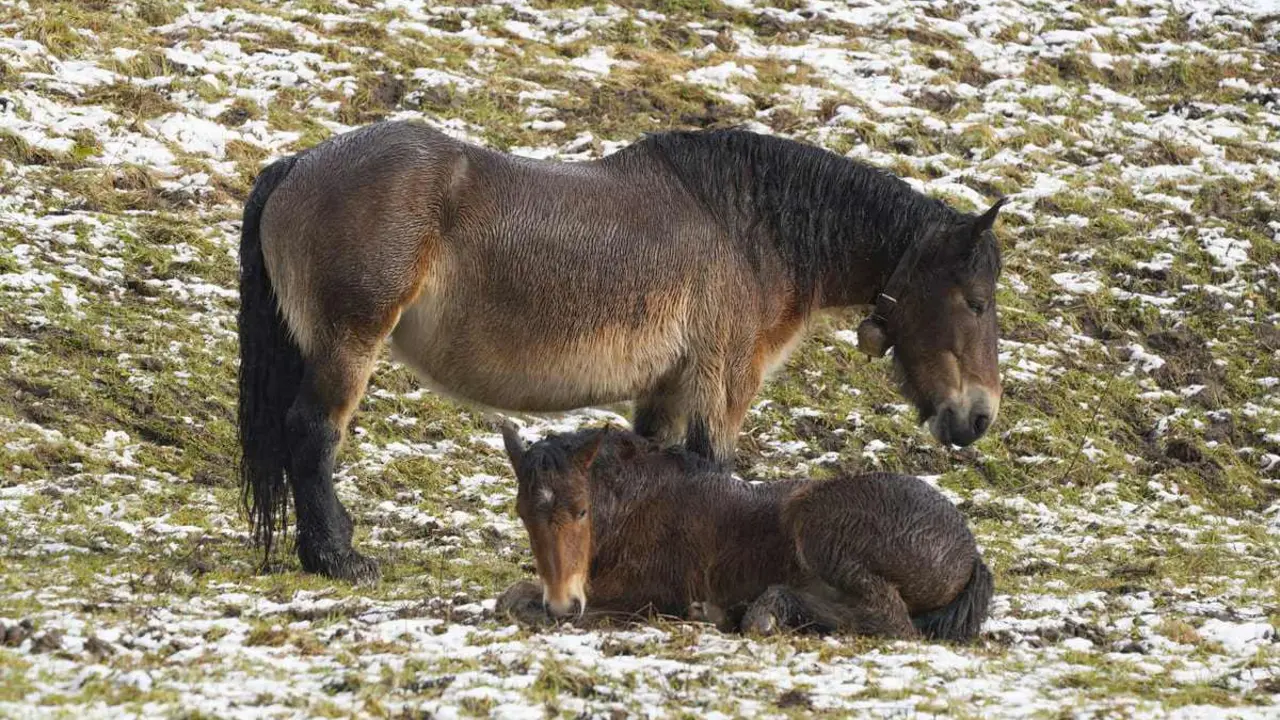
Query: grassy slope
1111, 484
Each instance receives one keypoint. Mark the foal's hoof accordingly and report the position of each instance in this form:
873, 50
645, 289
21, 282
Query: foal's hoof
705, 612
760, 622
522, 602
346, 565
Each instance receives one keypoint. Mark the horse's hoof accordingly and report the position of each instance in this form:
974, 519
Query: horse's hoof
347, 565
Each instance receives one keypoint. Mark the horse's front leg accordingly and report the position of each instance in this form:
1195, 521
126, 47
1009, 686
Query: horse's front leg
660, 413
719, 402
522, 602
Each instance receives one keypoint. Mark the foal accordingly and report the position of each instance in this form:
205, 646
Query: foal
619, 522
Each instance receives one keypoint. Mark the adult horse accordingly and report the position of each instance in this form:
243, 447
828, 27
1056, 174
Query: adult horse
676, 272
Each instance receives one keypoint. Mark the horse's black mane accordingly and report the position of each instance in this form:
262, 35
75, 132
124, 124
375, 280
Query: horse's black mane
824, 213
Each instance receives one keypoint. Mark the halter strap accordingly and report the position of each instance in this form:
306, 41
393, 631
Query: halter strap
886, 300
885, 305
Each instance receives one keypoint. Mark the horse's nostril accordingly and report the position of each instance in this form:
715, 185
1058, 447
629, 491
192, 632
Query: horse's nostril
575, 607
981, 422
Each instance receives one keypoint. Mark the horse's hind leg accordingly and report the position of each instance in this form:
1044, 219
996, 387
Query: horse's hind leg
331, 388
875, 608
830, 551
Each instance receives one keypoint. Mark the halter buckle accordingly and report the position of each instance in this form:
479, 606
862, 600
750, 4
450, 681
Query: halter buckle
877, 315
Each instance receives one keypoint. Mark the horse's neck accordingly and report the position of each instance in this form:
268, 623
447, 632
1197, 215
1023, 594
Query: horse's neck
859, 273
840, 226
748, 522
863, 246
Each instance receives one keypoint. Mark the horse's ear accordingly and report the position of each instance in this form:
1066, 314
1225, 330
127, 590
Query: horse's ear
587, 453
987, 220
511, 440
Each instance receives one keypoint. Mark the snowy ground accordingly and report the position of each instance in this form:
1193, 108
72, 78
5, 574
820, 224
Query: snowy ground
1127, 500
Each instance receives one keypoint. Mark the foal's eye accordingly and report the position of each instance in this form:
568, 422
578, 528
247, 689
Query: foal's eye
977, 307
581, 514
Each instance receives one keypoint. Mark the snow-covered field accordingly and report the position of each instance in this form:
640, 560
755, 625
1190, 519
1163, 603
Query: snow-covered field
1128, 498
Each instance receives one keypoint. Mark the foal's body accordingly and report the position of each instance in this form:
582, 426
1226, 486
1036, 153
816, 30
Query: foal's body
874, 554
676, 273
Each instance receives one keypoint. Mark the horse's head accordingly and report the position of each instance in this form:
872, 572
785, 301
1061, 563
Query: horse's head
938, 313
554, 502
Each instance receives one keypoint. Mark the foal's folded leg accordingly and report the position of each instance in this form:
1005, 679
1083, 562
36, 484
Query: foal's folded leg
522, 602
878, 611
725, 619
870, 605
865, 603
781, 607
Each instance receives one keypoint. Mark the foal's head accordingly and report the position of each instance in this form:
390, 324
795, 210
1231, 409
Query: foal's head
938, 312
554, 502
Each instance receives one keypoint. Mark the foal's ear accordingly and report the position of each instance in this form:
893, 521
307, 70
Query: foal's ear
587, 453
987, 220
511, 440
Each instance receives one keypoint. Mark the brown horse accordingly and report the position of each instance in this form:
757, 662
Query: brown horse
676, 273
622, 524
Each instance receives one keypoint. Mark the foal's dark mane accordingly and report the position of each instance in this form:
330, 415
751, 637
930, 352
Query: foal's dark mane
827, 216
554, 452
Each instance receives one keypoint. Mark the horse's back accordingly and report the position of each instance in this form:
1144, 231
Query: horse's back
579, 283
895, 526
615, 220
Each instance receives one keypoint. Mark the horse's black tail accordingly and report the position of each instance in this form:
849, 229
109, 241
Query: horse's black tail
271, 368
961, 619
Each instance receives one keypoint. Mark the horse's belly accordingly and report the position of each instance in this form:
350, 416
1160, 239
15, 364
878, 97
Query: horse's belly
509, 367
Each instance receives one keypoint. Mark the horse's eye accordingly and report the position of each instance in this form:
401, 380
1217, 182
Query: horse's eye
582, 513
977, 307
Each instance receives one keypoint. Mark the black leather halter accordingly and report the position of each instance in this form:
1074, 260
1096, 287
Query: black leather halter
886, 300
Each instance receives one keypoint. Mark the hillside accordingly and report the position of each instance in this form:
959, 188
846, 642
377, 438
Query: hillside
1127, 499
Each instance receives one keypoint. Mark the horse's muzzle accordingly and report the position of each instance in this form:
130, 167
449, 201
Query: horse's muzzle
966, 418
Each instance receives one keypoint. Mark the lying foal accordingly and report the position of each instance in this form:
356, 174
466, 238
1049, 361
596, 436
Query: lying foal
639, 529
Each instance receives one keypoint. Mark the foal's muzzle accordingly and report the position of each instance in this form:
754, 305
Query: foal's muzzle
571, 601
569, 608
